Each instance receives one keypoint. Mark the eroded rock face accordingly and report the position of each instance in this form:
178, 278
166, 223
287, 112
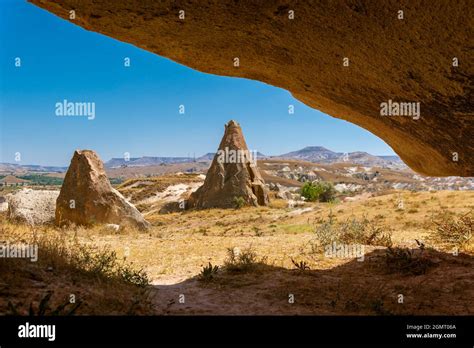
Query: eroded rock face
402, 60
233, 175
34, 207
87, 198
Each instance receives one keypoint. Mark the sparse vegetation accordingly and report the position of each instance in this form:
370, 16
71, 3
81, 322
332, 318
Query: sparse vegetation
178, 248
407, 261
100, 262
116, 181
241, 260
65, 309
453, 231
208, 272
101, 281
351, 231
258, 232
301, 265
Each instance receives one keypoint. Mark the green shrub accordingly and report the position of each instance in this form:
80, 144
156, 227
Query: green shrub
328, 192
320, 191
116, 181
42, 179
239, 202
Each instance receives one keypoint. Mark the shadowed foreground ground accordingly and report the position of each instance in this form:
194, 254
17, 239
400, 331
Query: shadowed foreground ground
353, 288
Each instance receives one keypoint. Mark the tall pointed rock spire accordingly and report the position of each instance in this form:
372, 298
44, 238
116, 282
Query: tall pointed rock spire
233, 175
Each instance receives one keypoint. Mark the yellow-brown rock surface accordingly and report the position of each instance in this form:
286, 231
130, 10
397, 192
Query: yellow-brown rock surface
233, 175
87, 198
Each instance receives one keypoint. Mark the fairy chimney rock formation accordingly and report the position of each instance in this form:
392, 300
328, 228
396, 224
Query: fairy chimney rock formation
232, 177
88, 198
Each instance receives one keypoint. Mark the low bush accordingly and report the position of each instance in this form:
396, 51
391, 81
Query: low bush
351, 231
453, 231
241, 261
208, 272
319, 191
406, 261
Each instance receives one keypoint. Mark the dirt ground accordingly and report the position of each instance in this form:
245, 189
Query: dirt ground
174, 252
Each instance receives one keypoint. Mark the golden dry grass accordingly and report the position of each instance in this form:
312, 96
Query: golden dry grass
179, 245
68, 268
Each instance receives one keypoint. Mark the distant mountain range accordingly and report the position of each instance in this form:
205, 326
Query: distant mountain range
312, 154
319, 154
145, 161
150, 161
153, 161
316, 154
13, 167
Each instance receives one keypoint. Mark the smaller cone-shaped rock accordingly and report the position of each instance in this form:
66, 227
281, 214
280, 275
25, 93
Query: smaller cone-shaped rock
232, 177
87, 198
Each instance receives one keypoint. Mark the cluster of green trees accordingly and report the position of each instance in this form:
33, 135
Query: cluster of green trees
44, 180
41, 179
318, 191
116, 181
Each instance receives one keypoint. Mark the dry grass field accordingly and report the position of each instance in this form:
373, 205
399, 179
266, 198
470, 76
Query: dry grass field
270, 260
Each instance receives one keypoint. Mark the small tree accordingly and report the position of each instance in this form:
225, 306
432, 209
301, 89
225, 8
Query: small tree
310, 192
328, 192
320, 191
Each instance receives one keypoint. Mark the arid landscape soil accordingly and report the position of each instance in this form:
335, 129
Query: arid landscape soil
263, 255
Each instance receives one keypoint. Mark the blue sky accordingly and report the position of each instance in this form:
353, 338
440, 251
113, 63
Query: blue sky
137, 108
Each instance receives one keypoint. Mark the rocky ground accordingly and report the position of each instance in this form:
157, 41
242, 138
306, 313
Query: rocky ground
33, 207
350, 177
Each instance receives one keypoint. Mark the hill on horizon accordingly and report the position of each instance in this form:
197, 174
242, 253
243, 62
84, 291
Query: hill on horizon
315, 154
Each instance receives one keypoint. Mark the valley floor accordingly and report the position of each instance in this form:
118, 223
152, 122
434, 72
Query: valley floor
269, 261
